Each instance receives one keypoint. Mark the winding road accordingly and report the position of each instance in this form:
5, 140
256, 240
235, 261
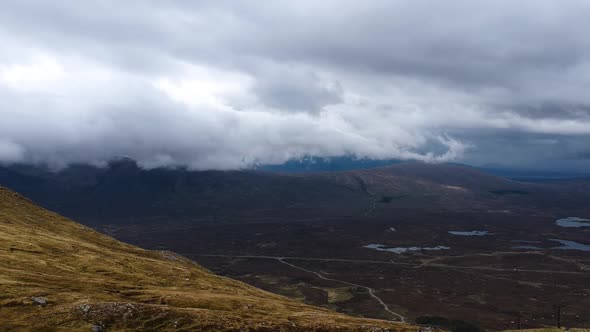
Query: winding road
395, 316
370, 290
391, 262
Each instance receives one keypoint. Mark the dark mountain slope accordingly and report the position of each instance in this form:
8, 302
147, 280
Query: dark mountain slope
125, 193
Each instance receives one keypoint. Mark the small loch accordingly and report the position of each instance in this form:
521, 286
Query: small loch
571, 245
527, 247
401, 250
573, 222
469, 233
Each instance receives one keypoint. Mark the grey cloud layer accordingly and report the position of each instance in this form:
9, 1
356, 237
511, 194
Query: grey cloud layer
228, 84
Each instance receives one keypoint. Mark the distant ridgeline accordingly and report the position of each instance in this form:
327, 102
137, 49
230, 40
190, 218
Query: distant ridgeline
312, 164
330, 164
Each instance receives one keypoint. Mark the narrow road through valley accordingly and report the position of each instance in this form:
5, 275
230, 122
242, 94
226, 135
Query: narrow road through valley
370, 290
391, 262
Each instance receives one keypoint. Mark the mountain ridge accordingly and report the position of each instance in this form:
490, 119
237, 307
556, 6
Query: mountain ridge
123, 191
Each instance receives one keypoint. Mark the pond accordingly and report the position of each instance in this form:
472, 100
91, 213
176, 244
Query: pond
469, 233
401, 250
573, 222
527, 247
571, 245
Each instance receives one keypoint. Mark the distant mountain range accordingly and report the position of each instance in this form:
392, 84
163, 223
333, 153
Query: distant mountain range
123, 192
315, 164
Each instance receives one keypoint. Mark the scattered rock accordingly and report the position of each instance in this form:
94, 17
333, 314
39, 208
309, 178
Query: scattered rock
39, 300
98, 328
169, 255
85, 308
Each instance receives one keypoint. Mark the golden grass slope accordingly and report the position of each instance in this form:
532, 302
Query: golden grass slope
91, 281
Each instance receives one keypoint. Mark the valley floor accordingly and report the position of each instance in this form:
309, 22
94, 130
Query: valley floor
487, 280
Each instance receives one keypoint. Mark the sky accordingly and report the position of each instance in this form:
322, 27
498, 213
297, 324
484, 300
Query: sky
234, 84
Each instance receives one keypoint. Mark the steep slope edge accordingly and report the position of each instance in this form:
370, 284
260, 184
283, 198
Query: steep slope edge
87, 279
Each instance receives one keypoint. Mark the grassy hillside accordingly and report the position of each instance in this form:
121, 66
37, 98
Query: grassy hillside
91, 281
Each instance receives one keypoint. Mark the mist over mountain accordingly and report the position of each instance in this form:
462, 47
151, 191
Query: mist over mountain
313, 164
231, 85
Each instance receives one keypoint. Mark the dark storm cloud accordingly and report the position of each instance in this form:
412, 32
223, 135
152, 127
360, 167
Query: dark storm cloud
519, 149
294, 89
228, 84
